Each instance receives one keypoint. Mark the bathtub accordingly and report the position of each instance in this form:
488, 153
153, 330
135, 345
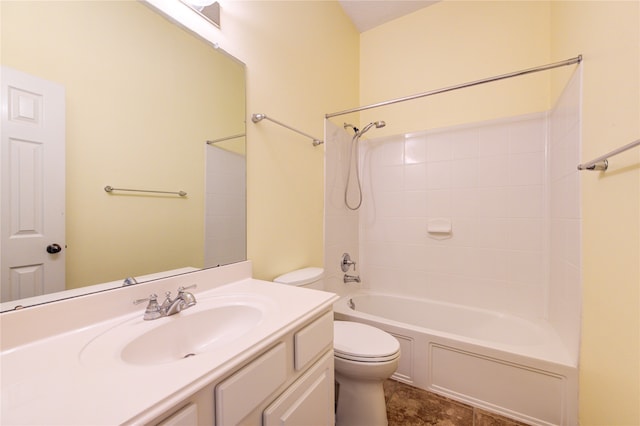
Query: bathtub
502, 363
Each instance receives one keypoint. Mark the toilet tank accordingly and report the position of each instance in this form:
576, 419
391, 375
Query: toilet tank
307, 277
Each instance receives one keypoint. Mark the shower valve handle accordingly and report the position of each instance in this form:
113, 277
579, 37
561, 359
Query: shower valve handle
347, 262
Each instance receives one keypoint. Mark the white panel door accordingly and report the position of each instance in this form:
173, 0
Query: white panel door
32, 189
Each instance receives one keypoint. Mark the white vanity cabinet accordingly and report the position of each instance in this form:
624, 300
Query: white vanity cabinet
239, 395
309, 401
276, 369
184, 416
290, 383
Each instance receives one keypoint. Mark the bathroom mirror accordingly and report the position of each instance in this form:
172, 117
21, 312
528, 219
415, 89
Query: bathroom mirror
142, 96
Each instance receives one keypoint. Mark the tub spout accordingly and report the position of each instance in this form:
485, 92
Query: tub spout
351, 278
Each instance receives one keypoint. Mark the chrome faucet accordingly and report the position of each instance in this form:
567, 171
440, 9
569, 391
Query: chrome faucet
346, 262
129, 281
153, 309
351, 278
183, 300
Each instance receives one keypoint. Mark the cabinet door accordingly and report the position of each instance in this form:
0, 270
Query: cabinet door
309, 401
184, 417
241, 393
312, 340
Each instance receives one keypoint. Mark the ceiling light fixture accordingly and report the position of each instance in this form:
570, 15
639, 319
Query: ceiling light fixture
208, 9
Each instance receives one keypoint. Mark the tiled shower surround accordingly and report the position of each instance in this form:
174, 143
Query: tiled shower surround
225, 208
488, 181
510, 190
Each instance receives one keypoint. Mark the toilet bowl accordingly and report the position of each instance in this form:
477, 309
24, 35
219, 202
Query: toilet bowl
364, 357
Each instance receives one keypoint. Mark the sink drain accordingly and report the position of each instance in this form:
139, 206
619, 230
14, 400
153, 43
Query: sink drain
188, 355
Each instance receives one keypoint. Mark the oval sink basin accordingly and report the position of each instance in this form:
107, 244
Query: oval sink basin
183, 335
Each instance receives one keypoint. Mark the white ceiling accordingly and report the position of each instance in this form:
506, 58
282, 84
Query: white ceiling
367, 14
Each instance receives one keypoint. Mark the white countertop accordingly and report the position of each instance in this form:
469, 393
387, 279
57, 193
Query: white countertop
64, 379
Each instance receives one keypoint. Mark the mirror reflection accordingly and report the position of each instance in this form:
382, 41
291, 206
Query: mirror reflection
140, 96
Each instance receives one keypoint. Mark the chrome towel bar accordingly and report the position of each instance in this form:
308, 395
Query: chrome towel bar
111, 189
259, 117
601, 162
211, 142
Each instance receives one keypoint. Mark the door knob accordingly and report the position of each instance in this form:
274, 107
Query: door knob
54, 248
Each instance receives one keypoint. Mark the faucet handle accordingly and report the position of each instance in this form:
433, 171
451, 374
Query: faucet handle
346, 262
129, 281
153, 309
181, 289
151, 298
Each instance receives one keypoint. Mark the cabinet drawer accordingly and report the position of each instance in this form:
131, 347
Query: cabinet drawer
312, 340
238, 395
185, 416
309, 401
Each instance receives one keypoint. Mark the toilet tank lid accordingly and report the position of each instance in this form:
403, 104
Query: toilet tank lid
300, 276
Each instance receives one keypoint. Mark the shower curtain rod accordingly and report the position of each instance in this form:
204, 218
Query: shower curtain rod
571, 61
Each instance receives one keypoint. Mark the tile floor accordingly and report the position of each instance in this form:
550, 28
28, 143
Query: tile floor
409, 406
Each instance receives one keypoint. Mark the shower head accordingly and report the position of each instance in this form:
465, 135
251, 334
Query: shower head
378, 125
258, 117
353, 149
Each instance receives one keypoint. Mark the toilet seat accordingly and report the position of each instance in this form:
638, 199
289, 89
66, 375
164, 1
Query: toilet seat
363, 343
365, 359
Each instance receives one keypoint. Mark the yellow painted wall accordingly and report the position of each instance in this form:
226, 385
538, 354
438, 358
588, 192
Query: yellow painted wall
455, 42
607, 33
302, 61
154, 89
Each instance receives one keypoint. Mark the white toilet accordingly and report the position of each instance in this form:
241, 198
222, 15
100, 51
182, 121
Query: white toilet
364, 357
